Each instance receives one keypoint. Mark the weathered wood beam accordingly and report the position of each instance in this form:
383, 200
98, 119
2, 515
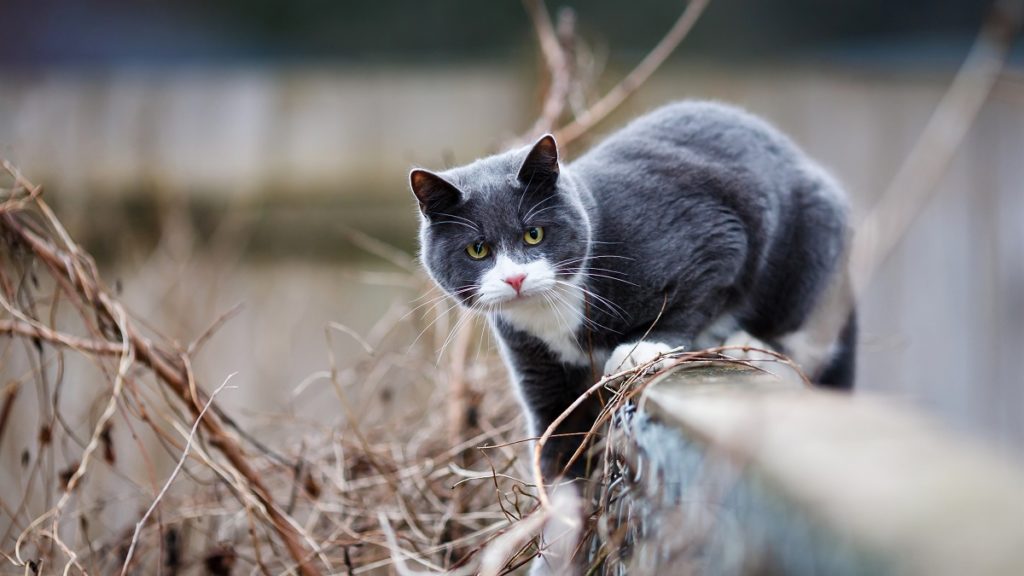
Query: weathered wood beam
886, 487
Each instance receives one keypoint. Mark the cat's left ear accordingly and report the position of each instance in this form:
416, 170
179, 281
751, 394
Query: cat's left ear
541, 163
433, 192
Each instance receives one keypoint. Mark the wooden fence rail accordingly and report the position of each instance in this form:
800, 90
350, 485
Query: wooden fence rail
745, 473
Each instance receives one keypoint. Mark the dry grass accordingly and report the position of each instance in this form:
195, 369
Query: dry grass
320, 505
371, 494
455, 490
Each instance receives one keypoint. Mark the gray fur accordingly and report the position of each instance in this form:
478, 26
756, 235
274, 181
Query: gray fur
698, 208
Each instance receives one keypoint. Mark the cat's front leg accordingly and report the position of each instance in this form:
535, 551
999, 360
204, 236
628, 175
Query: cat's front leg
567, 437
632, 354
547, 394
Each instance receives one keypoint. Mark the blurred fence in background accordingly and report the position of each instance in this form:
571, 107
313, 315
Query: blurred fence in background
295, 155
245, 132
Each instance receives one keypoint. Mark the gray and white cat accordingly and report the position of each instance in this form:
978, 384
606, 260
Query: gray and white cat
693, 217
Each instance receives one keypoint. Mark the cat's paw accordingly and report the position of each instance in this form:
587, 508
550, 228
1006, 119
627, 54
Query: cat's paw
629, 356
743, 346
560, 535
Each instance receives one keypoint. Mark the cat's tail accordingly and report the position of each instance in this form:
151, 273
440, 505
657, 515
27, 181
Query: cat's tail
825, 344
840, 371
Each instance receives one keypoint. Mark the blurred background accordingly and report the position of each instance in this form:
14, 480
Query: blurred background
256, 152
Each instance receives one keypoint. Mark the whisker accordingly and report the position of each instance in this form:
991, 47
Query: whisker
473, 310
572, 309
433, 301
590, 322
439, 298
432, 293
525, 190
611, 307
432, 322
436, 302
623, 280
538, 212
563, 323
589, 268
592, 257
537, 205
485, 333
462, 218
471, 227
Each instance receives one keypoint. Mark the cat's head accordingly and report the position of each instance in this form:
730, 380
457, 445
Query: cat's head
504, 230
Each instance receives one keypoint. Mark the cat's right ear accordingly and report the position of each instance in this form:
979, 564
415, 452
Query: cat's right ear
541, 162
434, 194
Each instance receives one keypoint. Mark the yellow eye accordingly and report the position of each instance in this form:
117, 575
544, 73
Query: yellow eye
533, 235
478, 250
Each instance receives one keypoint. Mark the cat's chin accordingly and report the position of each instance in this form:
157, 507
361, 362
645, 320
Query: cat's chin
523, 300
515, 302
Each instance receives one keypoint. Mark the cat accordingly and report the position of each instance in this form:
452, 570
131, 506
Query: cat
695, 216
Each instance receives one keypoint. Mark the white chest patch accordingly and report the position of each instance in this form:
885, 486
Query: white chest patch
533, 299
554, 320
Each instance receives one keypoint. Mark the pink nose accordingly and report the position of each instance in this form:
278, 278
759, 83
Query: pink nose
516, 282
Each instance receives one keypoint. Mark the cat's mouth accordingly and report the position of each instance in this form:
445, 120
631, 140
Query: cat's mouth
493, 302
523, 297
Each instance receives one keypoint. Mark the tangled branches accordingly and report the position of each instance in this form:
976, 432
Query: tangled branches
32, 230
369, 492
366, 494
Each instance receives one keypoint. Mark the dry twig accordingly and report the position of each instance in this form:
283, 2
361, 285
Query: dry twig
78, 271
636, 78
916, 181
364, 497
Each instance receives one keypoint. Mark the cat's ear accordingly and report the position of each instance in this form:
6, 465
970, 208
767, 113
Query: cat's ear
433, 192
541, 163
